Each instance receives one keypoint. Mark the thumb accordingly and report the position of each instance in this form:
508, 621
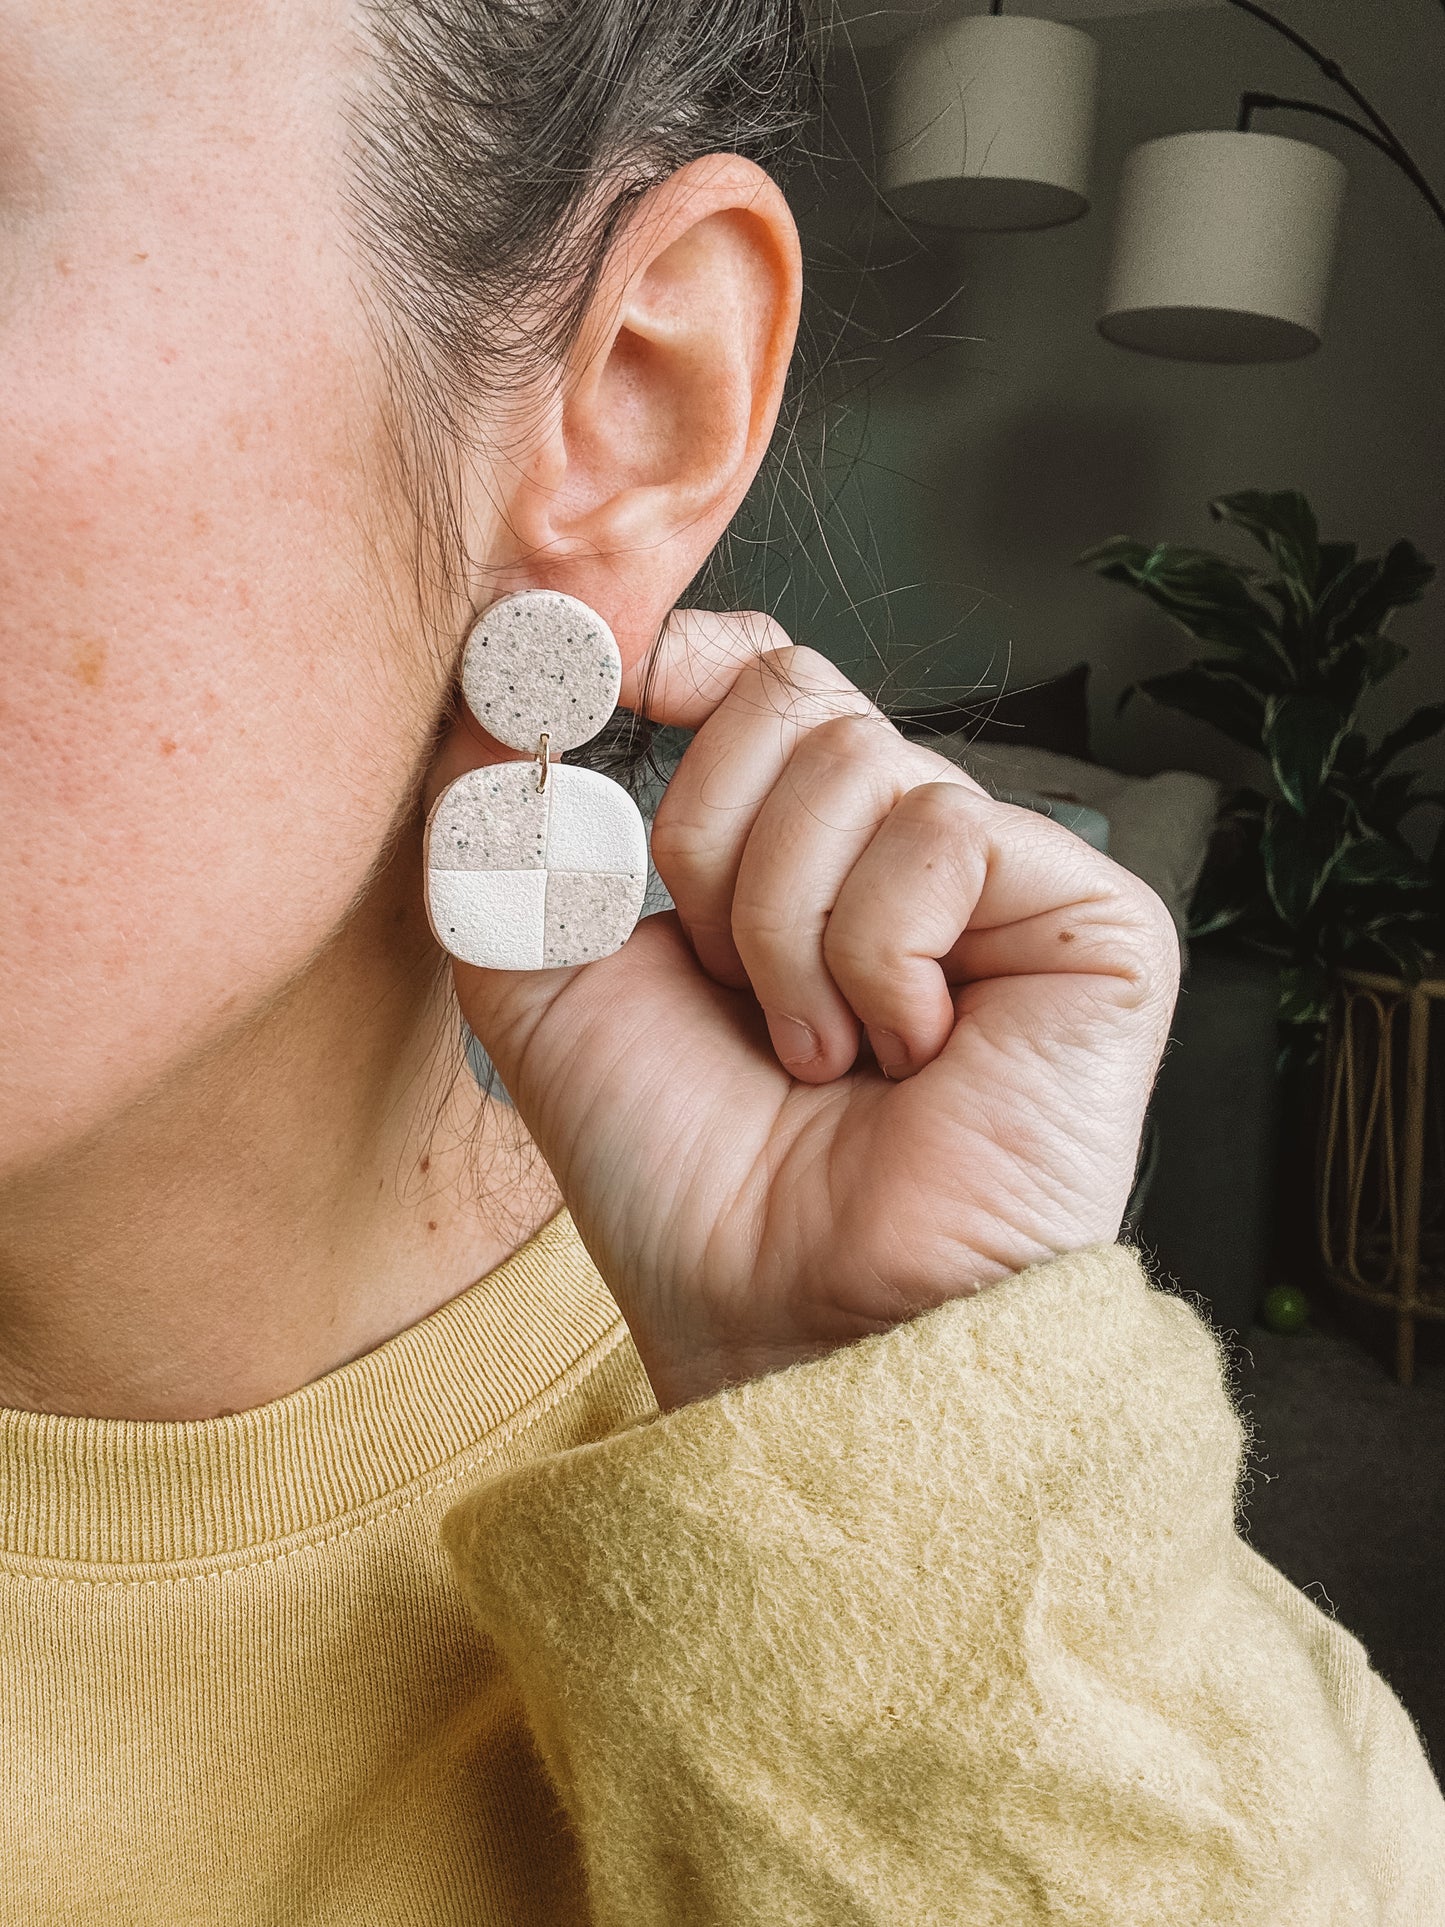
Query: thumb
695, 662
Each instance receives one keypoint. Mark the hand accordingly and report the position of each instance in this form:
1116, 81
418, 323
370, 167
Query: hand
895, 1043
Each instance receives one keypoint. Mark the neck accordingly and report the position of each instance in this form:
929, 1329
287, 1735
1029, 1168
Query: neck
312, 1184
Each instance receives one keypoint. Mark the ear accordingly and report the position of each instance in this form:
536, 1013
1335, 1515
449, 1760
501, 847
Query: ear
666, 405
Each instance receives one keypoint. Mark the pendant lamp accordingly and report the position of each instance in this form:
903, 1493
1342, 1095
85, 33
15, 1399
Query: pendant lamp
989, 124
1223, 247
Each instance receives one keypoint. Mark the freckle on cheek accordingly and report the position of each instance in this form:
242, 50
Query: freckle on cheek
87, 658
201, 522
168, 748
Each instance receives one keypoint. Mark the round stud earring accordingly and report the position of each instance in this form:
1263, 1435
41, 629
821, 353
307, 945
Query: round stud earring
536, 865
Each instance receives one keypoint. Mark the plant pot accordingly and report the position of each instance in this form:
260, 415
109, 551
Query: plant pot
1208, 1216
1381, 1162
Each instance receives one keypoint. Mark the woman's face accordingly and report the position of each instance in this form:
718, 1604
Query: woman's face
210, 718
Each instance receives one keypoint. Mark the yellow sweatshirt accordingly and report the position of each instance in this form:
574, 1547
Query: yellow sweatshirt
951, 1626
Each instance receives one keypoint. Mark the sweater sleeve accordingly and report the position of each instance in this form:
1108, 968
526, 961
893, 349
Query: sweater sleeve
953, 1625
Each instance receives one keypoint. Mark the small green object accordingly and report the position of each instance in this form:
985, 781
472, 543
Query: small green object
1285, 1309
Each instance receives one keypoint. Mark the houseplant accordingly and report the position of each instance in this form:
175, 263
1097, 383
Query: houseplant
1316, 869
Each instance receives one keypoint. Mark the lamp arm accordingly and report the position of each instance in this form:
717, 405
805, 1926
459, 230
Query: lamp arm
1252, 103
1389, 141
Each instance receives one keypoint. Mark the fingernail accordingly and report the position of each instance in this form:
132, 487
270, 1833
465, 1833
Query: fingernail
890, 1051
794, 1041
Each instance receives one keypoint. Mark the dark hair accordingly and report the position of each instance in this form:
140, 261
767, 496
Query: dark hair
502, 144
505, 141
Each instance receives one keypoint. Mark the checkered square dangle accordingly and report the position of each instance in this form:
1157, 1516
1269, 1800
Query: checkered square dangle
532, 866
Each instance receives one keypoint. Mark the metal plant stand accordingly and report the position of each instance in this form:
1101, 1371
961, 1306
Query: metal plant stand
1382, 1149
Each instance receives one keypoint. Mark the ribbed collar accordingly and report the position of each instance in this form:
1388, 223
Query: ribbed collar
128, 1491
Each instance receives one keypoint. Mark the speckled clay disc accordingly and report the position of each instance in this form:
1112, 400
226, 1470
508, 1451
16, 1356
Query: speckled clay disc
541, 661
518, 879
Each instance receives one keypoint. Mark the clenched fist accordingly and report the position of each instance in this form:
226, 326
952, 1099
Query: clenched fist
894, 1043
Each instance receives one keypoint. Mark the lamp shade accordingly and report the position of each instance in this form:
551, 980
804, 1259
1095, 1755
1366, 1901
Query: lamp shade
990, 124
1223, 247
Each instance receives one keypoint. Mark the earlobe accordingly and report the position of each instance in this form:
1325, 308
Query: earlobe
669, 398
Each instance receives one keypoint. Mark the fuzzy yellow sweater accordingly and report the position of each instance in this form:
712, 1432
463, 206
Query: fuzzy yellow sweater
952, 1626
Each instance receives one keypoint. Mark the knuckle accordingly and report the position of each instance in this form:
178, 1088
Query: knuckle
765, 634
1162, 945
1147, 938
796, 672
942, 805
850, 738
1144, 908
687, 858
675, 837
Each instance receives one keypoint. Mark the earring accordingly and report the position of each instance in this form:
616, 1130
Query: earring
531, 866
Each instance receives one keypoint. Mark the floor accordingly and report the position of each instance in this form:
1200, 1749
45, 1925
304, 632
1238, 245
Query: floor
1348, 1495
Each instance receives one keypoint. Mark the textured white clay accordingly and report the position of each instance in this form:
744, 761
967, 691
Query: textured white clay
492, 819
519, 879
541, 661
496, 918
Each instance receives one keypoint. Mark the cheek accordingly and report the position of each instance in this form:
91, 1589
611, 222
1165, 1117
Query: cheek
206, 737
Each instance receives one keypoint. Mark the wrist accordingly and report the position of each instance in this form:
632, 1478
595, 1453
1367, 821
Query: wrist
685, 1382
684, 1370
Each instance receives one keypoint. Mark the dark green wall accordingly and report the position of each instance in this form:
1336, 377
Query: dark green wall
980, 432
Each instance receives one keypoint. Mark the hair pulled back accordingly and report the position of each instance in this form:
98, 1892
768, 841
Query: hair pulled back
507, 140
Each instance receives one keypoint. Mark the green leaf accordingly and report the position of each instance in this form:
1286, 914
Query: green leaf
1299, 853
1215, 696
1374, 859
1345, 676
1302, 734
1426, 723
1361, 599
1383, 656
1209, 918
1284, 524
1206, 596
1394, 951
1335, 558
1304, 993
1353, 752
1386, 800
